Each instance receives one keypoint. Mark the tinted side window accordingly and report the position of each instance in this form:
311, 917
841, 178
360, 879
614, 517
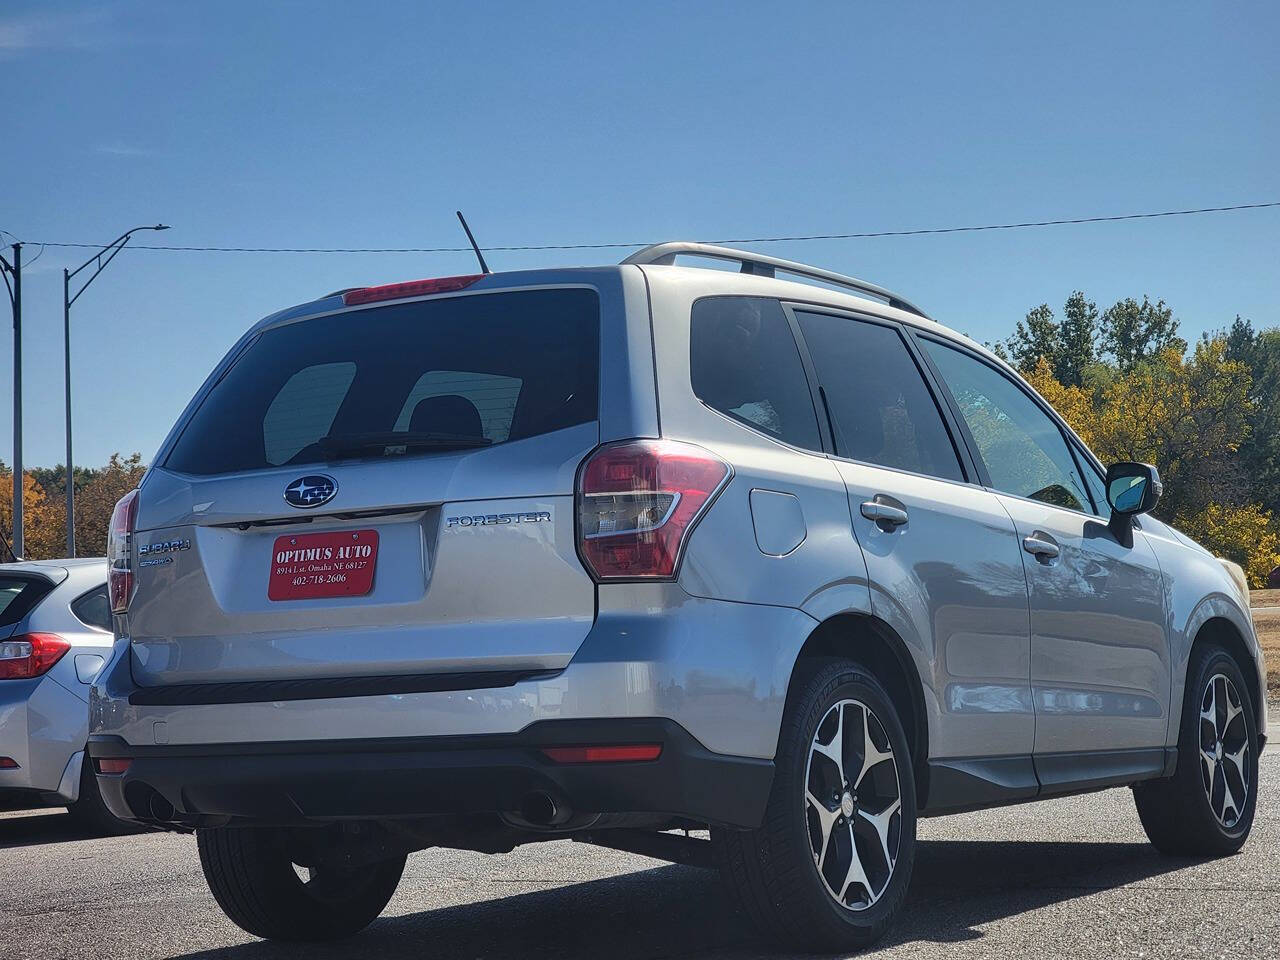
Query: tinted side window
93, 609
1022, 447
744, 362
882, 409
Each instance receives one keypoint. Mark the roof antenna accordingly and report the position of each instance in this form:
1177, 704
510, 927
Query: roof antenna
484, 267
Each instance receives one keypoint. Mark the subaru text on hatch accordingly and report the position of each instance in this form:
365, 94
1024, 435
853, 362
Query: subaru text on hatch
605, 553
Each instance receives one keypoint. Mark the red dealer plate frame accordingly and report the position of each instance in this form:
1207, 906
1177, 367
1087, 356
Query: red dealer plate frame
310, 566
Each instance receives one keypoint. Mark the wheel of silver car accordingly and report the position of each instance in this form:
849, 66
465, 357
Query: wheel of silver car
853, 804
828, 868
1206, 807
1225, 769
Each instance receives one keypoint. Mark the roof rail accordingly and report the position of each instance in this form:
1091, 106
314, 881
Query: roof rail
761, 265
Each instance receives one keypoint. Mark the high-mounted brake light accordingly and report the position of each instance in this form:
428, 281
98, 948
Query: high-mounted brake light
621, 753
120, 551
30, 655
413, 288
637, 503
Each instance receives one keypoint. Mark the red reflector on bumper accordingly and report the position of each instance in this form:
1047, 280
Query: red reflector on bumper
113, 765
615, 754
8, 763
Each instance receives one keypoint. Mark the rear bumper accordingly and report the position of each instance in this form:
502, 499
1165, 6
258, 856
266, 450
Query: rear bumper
42, 727
317, 781
718, 669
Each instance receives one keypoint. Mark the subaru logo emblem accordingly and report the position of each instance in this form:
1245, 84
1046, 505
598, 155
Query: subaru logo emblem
310, 491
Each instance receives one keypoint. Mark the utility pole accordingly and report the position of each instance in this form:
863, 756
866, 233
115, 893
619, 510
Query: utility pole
15, 298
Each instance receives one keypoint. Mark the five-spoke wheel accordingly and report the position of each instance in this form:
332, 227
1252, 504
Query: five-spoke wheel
853, 804
1206, 807
1224, 750
828, 868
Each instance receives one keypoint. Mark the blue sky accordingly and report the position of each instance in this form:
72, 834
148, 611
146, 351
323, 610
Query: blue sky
340, 124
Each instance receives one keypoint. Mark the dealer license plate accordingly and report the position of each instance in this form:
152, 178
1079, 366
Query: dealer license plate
308, 566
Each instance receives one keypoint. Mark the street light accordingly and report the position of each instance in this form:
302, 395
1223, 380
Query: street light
109, 251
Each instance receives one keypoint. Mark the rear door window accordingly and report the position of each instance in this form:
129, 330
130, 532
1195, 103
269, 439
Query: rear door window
881, 409
744, 362
408, 378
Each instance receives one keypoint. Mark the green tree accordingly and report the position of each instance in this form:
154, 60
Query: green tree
1077, 340
1260, 452
1037, 335
1134, 333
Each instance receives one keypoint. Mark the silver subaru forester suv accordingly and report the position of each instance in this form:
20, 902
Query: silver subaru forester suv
629, 553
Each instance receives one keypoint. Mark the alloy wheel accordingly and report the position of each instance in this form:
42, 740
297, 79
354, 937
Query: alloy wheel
853, 804
1224, 750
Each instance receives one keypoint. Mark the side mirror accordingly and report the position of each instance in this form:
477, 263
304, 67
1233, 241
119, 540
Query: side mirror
1132, 488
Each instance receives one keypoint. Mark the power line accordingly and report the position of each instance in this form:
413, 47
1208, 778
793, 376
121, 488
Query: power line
732, 240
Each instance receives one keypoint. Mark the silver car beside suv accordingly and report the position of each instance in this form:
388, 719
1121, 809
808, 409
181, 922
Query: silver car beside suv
608, 552
55, 635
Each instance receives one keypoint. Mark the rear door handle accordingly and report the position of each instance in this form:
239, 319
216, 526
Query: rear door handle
1041, 546
884, 514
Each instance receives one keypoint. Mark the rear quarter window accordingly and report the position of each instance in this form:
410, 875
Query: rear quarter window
744, 362
486, 368
93, 609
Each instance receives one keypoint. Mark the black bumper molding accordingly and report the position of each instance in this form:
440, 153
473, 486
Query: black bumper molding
320, 781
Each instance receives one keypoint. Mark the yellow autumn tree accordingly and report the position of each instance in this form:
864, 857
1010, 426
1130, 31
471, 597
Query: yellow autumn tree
97, 498
1247, 535
1189, 416
41, 520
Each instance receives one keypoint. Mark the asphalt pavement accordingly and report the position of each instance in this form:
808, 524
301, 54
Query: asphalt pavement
1062, 878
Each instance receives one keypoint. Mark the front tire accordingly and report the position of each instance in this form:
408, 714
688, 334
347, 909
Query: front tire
255, 882
1206, 808
829, 868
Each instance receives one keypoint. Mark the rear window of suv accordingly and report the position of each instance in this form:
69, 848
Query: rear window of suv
453, 373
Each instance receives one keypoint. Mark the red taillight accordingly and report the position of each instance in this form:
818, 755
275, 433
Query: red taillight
623, 753
413, 288
120, 551
8, 763
109, 766
637, 502
30, 655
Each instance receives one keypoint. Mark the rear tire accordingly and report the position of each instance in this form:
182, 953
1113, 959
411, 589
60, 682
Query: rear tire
252, 877
829, 868
1206, 808
91, 813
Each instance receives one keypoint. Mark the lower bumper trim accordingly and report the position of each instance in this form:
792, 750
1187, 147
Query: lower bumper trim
294, 783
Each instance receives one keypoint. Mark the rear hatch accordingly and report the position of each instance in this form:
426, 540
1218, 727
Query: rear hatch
377, 493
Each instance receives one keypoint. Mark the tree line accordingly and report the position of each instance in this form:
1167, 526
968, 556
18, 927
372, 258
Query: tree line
1208, 415
44, 513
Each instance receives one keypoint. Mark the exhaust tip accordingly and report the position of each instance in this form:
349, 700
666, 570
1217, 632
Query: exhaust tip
160, 808
539, 809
